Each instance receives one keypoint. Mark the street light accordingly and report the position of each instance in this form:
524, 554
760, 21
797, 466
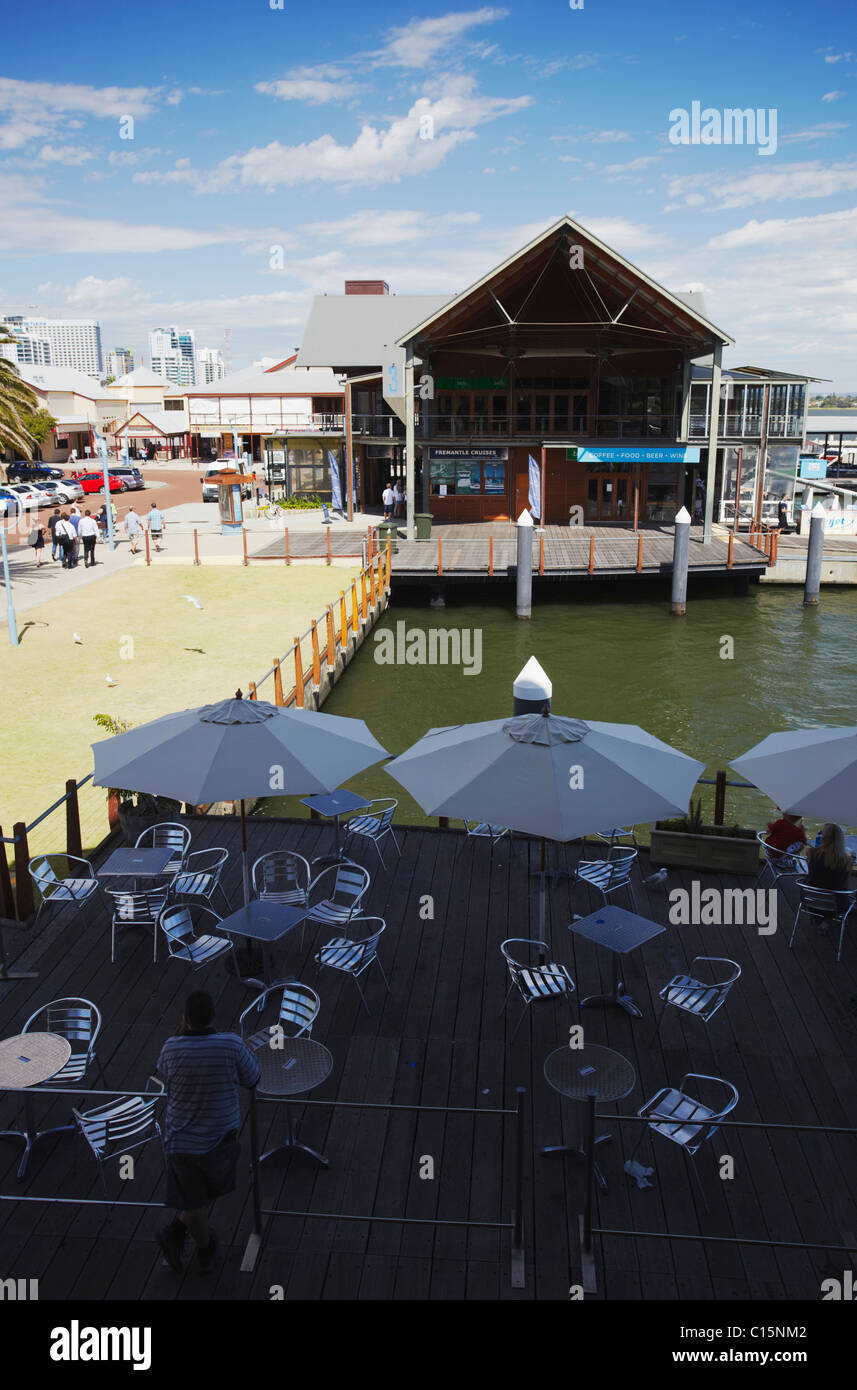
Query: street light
10, 606
101, 449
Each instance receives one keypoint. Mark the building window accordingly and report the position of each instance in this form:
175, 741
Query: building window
309, 473
173, 405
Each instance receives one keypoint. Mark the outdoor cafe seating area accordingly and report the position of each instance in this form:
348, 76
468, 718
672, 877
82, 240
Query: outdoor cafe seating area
444, 969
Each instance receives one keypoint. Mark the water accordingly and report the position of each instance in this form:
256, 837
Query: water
617, 654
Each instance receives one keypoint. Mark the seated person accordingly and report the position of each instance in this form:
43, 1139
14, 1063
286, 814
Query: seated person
785, 832
829, 861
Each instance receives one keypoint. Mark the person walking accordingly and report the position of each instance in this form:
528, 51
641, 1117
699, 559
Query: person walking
52, 527
155, 521
203, 1069
397, 498
88, 533
37, 541
74, 522
67, 536
133, 529
388, 498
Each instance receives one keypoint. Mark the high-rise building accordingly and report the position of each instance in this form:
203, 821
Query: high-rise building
209, 366
171, 353
29, 349
74, 343
119, 362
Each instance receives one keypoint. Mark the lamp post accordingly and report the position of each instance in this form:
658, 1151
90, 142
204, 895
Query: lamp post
10, 606
101, 449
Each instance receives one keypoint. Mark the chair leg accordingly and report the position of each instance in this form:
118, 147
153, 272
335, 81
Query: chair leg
794, 925
841, 936
380, 855
695, 1171
222, 891
396, 842
657, 1032
362, 996
633, 895
518, 1024
383, 975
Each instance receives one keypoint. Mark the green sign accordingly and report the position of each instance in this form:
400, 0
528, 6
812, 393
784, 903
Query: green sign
471, 383
571, 455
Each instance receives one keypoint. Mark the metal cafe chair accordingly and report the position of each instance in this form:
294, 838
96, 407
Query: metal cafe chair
281, 876
296, 1009
352, 955
482, 830
167, 835
677, 1115
613, 836
78, 888
825, 904
201, 876
124, 1123
608, 876
375, 824
79, 1022
177, 924
695, 996
137, 910
340, 890
781, 863
533, 977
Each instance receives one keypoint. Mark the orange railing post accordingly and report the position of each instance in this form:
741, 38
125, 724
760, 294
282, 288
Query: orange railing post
364, 600
490, 554
331, 639
288, 552
731, 549
440, 555
316, 660
299, 675
591, 554
328, 545
355, 617
195, 546
343, 622
639, 552
252, 690
372, 593
244, 543
278, 682
388, 565
775, 544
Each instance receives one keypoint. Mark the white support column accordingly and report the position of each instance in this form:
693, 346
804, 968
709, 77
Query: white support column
410, 448
685, 400
713, 420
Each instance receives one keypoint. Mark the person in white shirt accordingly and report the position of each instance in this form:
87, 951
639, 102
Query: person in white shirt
388, 498
133, 529
66, 535
88, 533
397, 498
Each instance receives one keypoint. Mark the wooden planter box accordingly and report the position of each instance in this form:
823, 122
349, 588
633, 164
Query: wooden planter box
719, 854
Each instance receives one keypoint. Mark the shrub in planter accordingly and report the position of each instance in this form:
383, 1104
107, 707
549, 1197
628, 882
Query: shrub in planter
686, 842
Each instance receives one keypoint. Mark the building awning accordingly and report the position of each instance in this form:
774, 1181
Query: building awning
72, 422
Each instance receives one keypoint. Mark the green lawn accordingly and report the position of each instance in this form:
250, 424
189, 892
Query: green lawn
163, 653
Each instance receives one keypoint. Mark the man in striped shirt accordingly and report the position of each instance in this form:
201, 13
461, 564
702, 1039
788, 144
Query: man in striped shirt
203, 1069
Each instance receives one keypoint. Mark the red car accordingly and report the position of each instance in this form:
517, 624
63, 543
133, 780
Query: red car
94, 482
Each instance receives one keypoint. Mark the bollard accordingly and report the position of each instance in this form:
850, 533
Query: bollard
244, 541
814, 554
278, 683
681, 555
531, 689
148, 553
299, 676
639, 552
524, 583
195, 546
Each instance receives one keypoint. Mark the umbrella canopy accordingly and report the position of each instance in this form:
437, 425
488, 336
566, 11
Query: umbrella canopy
542, 774
808, 772
237, 749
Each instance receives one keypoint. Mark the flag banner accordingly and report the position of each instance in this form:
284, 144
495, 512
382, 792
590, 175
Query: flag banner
335, 484
535, 498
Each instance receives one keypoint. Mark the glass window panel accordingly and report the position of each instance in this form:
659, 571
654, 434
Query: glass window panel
560, 414
543, 406
523, 413
592, 497
580, 411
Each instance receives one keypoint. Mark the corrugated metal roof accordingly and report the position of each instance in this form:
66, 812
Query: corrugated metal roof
142, 376
164, 421
287, 381
65, 379
831, 421
357, 330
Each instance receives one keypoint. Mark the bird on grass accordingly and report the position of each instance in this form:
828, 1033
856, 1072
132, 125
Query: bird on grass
78, 639
195, 601
110, 680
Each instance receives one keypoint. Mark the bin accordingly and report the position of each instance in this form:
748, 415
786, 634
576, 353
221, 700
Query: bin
388, 531
423, 523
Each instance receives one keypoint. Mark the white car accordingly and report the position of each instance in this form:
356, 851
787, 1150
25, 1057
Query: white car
62, 492
28, 494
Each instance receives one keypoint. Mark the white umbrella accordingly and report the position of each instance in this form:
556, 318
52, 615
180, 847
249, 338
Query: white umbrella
237, 749
808, 772
545, 775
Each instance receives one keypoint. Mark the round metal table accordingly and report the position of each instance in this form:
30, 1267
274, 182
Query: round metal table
27, 1060
581, 1072
298, 1066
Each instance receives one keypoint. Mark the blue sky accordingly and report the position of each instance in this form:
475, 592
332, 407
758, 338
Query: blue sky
300, 128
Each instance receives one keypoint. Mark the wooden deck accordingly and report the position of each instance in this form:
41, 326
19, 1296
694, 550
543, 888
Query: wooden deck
612, 551
786, 1038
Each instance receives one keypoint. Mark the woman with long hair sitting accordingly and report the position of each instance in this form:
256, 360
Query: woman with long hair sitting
829, 861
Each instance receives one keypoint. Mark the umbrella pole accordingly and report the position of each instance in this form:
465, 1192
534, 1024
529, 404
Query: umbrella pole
542, 896
245, 874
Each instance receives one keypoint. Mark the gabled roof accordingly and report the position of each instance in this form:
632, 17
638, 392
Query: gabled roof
606, 295
281, 380
142, 376
160, 421
356, 331
64, 379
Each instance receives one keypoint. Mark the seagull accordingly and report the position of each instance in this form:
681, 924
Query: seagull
77, 637
195, 601
655, 879
110, 680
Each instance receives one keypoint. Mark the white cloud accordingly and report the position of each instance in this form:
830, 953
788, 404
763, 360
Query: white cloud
594, 137
812, 179
315, 85
825, 130
789, 231
373, 227
837, 58
16, 96
632, 166
421, 41
68, 155
832, 96
622, 233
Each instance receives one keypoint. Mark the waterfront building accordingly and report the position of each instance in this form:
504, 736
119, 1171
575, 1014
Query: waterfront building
568, 354
149, 413
284, 418
172, 355
209, 366
78, 404
74, 343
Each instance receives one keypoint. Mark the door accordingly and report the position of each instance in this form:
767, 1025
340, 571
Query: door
522, 493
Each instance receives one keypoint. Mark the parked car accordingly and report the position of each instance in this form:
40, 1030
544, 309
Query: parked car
94, 482
130, 476
29, 496
10, 503
72, 489
209, 490
22, 472
61, 492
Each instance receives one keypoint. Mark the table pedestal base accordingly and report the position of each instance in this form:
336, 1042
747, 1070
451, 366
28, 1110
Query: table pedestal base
30, 1141
618, 996
292, 1146
580, 1155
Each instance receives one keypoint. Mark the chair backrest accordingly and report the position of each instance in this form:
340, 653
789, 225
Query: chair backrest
350, 883
166, 835
43, 872
77, 1020
779, 858
384, 808
125, 1119
373, 928
279, 871
177, 923
139, 908
299, 1007
206, 861
620, 868
826, 902
534, 958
